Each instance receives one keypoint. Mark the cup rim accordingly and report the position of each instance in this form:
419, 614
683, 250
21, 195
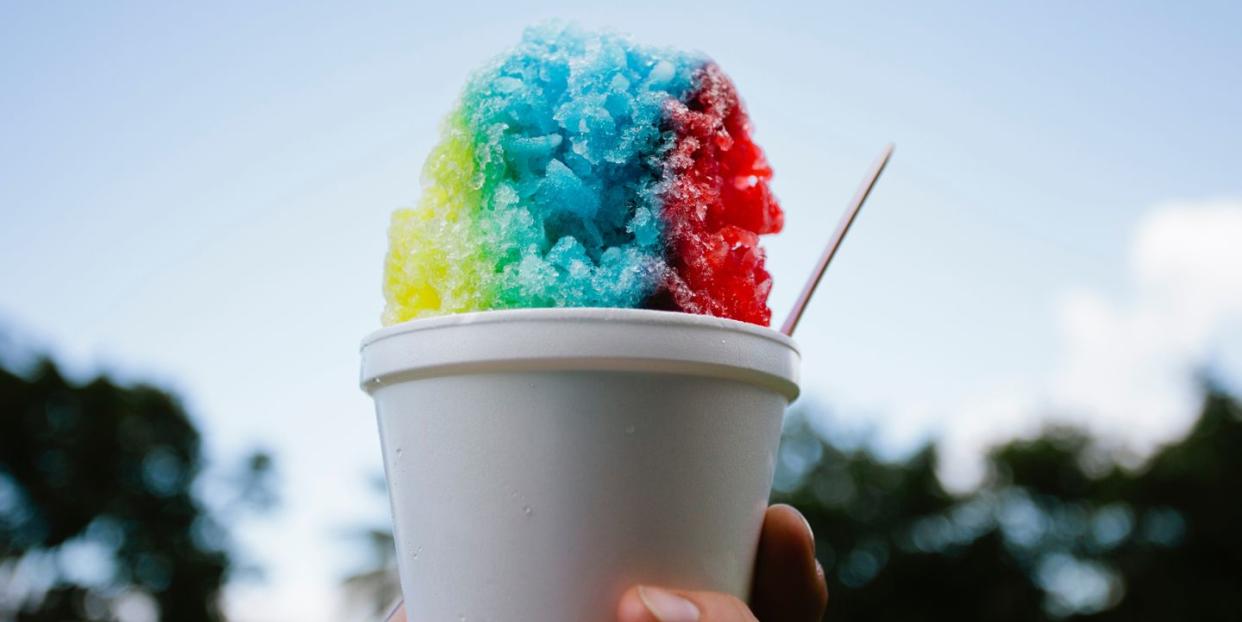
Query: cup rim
580, 339
607, 314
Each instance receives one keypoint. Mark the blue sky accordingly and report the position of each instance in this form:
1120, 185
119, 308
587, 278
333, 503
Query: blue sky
198, 196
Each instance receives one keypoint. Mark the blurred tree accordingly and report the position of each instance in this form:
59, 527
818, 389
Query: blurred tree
1057, 532
98, 515
889, 542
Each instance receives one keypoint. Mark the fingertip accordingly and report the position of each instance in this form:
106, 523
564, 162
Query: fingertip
656, 604
789, 581
631, 607
784, 523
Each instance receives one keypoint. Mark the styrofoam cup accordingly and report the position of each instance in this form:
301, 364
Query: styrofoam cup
541, 461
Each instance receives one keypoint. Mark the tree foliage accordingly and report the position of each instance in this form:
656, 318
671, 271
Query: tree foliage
98, 511
1056, 533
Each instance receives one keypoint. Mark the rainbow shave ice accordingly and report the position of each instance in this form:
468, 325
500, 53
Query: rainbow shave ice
583, 170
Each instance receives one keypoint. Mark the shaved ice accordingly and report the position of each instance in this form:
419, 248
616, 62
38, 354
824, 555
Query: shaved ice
583, 170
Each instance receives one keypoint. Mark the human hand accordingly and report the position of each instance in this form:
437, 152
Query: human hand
789, 584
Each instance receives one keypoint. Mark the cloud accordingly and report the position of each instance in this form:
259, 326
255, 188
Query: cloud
1125, 365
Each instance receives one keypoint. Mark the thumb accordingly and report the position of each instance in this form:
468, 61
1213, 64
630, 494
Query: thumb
653, 604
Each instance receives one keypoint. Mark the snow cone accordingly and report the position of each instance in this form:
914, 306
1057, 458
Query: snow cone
577, 390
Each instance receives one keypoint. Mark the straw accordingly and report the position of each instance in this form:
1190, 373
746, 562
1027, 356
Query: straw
863, 191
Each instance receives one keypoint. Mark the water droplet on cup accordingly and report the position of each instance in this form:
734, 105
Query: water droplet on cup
527, 510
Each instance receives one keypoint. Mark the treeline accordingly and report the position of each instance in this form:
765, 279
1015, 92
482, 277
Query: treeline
1056, 533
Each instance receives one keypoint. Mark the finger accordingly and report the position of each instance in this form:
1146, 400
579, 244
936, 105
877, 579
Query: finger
652, 604
789, 584
397, 614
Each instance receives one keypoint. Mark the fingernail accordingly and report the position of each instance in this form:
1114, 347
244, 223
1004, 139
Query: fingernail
810, 532
667, 606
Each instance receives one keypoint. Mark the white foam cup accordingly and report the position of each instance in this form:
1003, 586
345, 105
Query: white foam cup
541, 461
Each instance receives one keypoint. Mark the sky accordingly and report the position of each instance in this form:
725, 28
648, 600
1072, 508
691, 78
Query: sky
197, 196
